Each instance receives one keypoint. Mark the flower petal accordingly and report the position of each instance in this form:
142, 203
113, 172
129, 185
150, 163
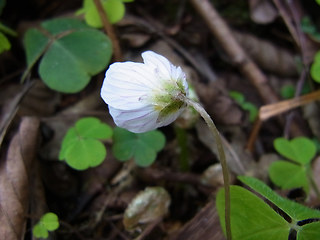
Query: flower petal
137, 121
127, 84
161, 65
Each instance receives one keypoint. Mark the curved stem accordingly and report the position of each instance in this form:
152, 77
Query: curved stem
222, 159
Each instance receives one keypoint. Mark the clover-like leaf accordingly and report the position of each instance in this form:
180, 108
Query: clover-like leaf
72, 53
300, 149
50, 221
251, 217
81, 147
143, 147
114, 9
39, 231
296, 211
288, 175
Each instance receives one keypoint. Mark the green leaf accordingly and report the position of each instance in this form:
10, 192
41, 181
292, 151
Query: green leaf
114, 9
72, 53
91, 127
253, 110
289, 175
318, 1
85, 153
50, 221
35, 43
287, 91
64, 25
300, 149
71, 60
39, 231
4, 43
315, 71
309, 231
251, 217
143, 147
296, 211
237, 96
69, 139
81, 148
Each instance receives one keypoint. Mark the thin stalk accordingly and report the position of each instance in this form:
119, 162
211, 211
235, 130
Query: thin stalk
222, 159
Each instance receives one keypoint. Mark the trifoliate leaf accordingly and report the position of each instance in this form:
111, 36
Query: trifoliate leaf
309, 231
73, 53
114, 10
143, 147
251, 217
39, 231
85, 153
91, 127
289, 175
294, 210
81, 147
300, 149
50, 221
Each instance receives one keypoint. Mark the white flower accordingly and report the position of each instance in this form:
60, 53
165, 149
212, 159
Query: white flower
144, 96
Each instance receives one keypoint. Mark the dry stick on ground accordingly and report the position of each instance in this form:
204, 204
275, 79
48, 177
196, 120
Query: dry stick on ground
110, 32
237, 55
223, 34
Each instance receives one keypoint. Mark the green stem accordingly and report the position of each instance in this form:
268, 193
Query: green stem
222, 158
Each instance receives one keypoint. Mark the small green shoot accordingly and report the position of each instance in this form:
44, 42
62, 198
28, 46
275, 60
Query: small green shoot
81, 147
315, 68
142, 147
252, 218
48, 222
71, 53
294, 173
247, 106
114, 9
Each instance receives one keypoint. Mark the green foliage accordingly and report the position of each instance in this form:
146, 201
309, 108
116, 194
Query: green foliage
4, 43
295, 173
48, 222
143, 147
252, 218
315, 68
114, 9
81, 147
247, 106
288, 91
309, 27
318, 1
72, 53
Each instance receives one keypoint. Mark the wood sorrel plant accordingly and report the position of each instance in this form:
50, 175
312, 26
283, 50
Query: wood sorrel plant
149, 95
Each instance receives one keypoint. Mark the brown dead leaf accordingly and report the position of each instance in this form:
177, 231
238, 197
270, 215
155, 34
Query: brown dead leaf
15, 179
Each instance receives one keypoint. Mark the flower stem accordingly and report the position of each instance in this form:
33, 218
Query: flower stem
222, 158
